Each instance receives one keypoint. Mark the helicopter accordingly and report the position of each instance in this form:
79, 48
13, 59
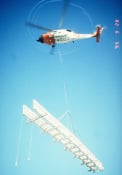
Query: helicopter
66, 35
61, 36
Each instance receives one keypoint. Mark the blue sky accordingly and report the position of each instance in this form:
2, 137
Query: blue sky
92, 74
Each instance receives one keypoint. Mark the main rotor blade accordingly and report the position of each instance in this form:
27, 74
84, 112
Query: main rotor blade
37, 26
65, 6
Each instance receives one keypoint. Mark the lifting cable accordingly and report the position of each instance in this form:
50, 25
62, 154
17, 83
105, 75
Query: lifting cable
67, 113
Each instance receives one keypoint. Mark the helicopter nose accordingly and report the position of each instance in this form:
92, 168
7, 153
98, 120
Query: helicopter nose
40, 39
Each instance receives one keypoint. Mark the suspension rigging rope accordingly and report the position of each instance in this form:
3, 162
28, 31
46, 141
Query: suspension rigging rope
30, 142
19, 141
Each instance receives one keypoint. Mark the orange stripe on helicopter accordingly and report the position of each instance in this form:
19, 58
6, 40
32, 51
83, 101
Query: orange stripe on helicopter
48, 38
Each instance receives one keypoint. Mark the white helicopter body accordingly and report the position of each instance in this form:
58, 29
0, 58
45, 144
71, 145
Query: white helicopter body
65, 35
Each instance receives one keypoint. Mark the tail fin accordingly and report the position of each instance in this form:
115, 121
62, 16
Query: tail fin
98, 32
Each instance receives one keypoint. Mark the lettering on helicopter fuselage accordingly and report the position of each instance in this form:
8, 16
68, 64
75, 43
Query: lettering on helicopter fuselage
60, 38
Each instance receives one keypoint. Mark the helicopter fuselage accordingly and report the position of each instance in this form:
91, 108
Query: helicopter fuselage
65, 35
62, 36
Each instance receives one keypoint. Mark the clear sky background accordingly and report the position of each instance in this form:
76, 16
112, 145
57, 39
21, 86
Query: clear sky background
92, 75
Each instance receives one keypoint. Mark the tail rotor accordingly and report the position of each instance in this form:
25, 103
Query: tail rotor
98, 32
